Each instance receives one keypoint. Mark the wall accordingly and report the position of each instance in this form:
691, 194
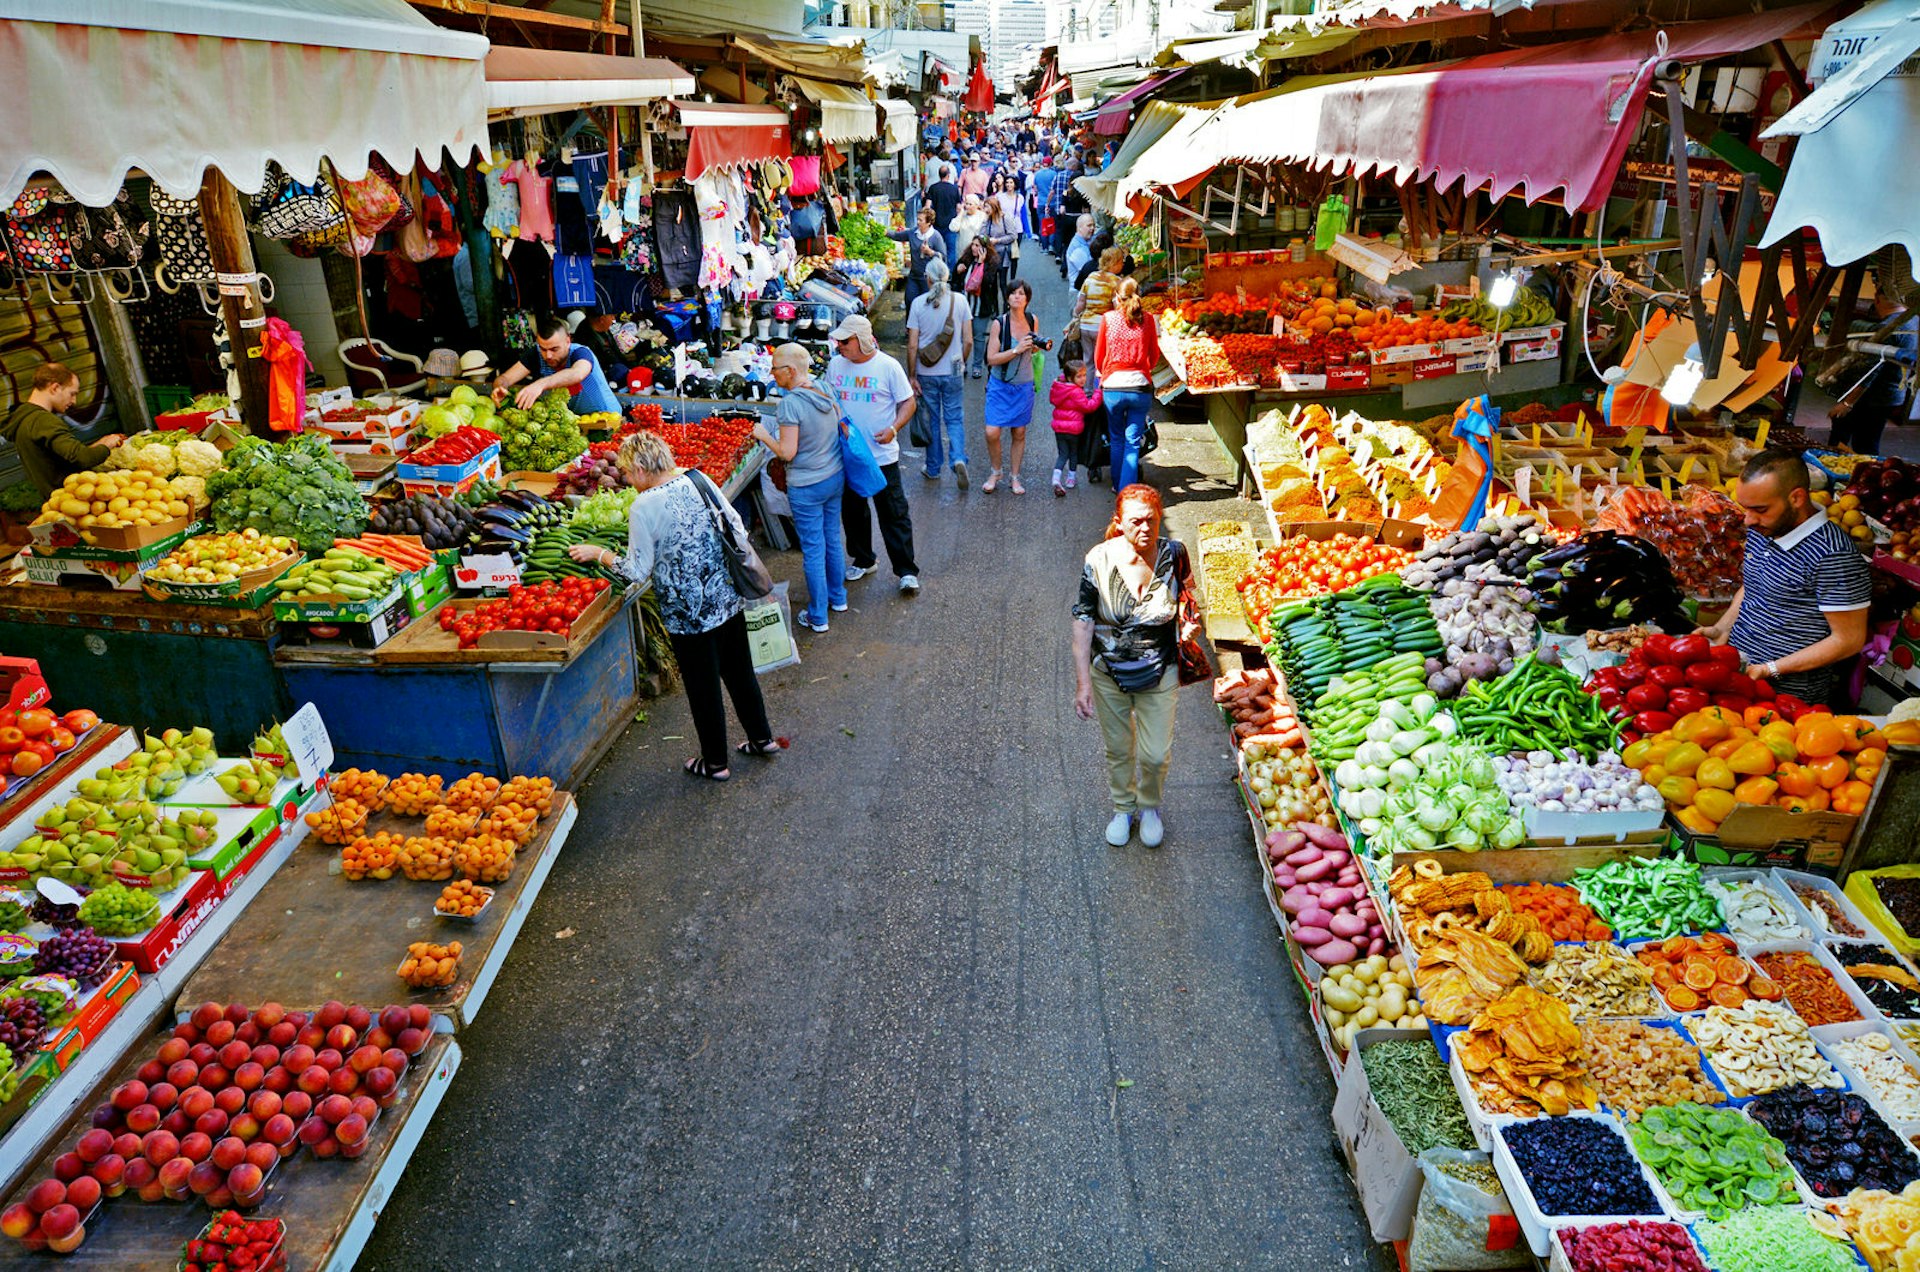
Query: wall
300, 297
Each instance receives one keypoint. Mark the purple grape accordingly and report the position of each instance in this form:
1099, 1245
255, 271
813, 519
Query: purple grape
22, 1021
60, 916
78, 952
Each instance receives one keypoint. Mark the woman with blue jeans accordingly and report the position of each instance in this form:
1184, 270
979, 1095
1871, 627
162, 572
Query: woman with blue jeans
809, 445
1124, 351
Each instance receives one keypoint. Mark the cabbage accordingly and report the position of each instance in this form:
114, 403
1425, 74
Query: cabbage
438, 421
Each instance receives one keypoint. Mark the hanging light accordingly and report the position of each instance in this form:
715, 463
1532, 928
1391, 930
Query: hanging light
1684, 380
1504, 288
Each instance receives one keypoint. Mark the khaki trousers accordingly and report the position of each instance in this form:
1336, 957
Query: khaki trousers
1138, 731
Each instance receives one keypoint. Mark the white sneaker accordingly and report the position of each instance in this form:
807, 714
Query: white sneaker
910, 584
808, 624
1151, 831
1070, 482
857, 572
1119, 830
838, 609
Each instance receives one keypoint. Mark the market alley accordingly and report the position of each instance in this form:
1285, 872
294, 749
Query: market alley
890, 1001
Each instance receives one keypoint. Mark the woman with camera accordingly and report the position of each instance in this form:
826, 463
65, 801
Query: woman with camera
1012, 344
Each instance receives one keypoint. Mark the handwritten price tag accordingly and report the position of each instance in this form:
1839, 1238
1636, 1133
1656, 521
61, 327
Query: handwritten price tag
1760, 435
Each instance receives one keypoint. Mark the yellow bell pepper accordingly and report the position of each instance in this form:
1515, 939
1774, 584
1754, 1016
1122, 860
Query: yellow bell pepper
1684, 759
1701, 728
1714, 773
1753, 759
1696, 821
1715, 804
1654, 774
1678, 791
1638, 754
1756, 790
1903, 733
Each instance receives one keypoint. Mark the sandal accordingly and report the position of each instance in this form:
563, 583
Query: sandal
698, 767
1018, 489
765, 750
992, 483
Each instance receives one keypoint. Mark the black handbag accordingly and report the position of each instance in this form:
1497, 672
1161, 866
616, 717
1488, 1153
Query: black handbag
1136, 675
749, 573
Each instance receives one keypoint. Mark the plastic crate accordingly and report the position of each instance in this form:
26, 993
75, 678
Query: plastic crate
161, 398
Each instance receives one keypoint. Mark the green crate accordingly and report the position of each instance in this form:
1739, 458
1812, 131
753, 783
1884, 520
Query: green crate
162, 398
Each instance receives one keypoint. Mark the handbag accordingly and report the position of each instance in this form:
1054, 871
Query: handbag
1194, 666
372, 203
181, 239
112, 237
287, 209
864, 477
749, 573
1136, 675
935, 349
975, 277
919, 436
41, 231
1150, 442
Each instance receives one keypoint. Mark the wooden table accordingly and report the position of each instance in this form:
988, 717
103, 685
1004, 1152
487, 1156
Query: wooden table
329, 1206
313, 935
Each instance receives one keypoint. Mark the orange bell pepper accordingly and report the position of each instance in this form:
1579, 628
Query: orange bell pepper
1696, 821
1713, 772
1903, 733
1804, 803
1714, 804
1684, 759
1855, 732
1796, 781
1851, 797
1752, 759
1829, 770
1756, 790
1818, 736
1868, 763
1701, 728
1722, 750
1759, 715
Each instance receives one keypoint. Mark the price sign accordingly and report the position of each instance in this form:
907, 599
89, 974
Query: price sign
1636, 442
1536, 434
1559, 486
1523, 486
1760, 435
307, 742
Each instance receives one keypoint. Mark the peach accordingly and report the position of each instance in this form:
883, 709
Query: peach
205, 1177
245, 1128
163, 1096
279, 1079
246, 1179
129, 1095
109, 1170
419, 1015
381, 1083
364, 1105
267, 1015
202, 1054
70, 1242
172, 1050
173, 1176
313, 1131
363, 1059
106, 1117
237, 1013
220, 1032
263, 1155
249, 1076
155, 1191
18, 1220
235, 1054
142, 1119
314, 1079
393, 1018
176, 1121
358, 1018
333, 1108
127, 1144
296, 1104
60, 1221
195, 1100
215, 1076
395, 1059
159, 1147
70, 1166
342, 1037
297, 1058
264, 1054
312, 1036
279, 1129
150, 1071
249, 1033
283, 1034
84, 1194
329, 1058
299, 1019
377, 1038
331, 1013
196, 1147
205, 1014
140, 1173
230, 1100
344, 1081
351, 1151
264, 1104
326, 1147
352, 1129
45, 1195
412, 1040
94, 1145
187, 1032
228, 1153
212, 1122
183, 1074
220, 1198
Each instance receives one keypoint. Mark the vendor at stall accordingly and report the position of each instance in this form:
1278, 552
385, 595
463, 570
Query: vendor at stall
556, 362
49, 451
1801, 613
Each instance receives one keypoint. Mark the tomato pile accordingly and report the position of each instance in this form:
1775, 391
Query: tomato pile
714, 445
30, 739
456, 447
1307, 567
544, 607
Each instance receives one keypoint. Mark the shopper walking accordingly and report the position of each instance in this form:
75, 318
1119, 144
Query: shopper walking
672, 541
939, 346
1095, 298
1080, 246
1004, 224
1126, 656
944, 197
970, 224
973, 181
980, 277
809, 444
1013, 339
1072, 403
1124, 354
924, 245
877, 398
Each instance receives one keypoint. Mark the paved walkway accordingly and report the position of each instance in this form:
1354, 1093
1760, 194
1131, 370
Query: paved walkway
890, 1001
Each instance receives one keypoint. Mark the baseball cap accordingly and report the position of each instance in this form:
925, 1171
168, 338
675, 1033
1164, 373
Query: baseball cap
851, 327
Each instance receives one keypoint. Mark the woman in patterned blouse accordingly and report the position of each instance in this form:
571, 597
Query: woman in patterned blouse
671, 540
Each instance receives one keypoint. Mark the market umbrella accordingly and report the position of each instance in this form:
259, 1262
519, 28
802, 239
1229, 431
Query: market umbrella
979, 90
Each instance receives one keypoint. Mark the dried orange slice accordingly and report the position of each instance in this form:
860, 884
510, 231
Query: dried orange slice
1663, 976
1728, 995
1700, 974
1680, 998
1763, 988
1677, 945
1731, 970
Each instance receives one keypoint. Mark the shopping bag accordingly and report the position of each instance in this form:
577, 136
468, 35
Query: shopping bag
287, 209
864, 477
770, 632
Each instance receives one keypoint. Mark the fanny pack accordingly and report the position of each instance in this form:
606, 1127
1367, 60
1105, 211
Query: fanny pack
1136, 675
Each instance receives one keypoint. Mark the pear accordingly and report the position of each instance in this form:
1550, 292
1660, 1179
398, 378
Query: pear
173, 737
147, 862
90, 862
200, 736
153, 744
173, 857
59, 853
92, 788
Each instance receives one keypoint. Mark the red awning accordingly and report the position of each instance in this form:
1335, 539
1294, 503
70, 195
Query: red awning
720, 134
1115, 112
1557, 117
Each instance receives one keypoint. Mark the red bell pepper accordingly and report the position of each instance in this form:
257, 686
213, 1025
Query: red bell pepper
1689, 649
1653, 722
1790, 707
1667, 676
1609, 697
1725, 655
1605, 678
1658, 649
1686, 700
1760, 689
1627, 675
1646, 698
1706, 674
1732, 702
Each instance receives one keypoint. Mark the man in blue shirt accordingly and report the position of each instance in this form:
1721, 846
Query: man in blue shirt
1042, 186
556, 362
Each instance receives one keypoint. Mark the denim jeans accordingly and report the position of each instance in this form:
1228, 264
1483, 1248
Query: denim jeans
916, 288
816, 519
953, 246
941, 397
980, 328
1127, 431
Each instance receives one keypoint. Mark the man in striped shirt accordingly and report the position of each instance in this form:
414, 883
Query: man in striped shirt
1801, 612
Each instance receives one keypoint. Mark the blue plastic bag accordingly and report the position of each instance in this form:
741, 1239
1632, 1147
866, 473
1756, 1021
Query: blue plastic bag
864, 477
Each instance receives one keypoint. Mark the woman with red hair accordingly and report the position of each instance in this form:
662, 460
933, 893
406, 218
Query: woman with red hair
1126, 631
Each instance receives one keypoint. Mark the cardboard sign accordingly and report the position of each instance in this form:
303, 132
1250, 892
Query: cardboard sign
307, 740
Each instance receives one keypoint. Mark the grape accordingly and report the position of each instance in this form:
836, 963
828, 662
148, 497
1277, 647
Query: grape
45, 911
77, 952
22, 1021
117, 910
13, 911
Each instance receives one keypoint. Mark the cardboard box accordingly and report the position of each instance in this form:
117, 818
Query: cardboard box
1438, 367
341, 609
1404, 353
1531, 351
542, 484
368, 632
92, 1016
427, 590
1349, 377
185, 910
37, 1073
1397, 534
1387, 374
448, 489
390, 444
1467, 345
1386, 1175
1520, 335
485, 464
1763, 837
1472, 363
121, 543
120, 576
1301, 382
249, 591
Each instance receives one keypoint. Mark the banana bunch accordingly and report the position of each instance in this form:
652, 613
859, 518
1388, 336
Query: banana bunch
547, 558
341, 572
1529, 309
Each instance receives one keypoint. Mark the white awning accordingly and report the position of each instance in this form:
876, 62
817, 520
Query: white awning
902, 124
1852, 179
846, 114
543, 81
97, 88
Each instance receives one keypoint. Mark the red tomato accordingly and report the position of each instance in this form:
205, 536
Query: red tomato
11, 738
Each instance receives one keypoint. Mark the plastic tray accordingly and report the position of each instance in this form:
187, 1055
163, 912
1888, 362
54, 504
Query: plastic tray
1679, 1027
1832, 1034
1816, 922
1764, 879
1689, 1216
1692, 1022
1821, 955
1557, 1260
1814, 1198
274, 1260
1536, 1224
1637, 946
438, 913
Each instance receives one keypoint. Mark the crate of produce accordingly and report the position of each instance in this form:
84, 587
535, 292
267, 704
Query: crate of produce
119, 543
485, 463
1382, 1129
1591, 1165
1766, 837
1756, 907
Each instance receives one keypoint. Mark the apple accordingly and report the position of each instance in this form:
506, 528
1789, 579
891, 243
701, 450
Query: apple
80, 719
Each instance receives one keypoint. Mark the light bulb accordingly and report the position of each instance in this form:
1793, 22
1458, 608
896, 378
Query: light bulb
1504, 288
1683, 382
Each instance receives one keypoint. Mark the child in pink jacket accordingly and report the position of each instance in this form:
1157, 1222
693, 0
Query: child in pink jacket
1071, 406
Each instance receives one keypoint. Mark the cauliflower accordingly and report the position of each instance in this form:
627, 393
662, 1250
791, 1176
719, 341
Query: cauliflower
193, 489
197, 458
153, 457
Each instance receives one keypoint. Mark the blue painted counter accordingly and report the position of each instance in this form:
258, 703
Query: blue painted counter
539, 719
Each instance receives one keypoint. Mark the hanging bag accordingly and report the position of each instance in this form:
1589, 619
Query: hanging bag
864, 477
935, 349
413, 239
296, 210
180, 237
41, 230
1192, 655
113, 237
372, 202
749, 573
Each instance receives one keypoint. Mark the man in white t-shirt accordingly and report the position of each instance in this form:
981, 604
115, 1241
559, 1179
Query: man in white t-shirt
941, 316
876, 397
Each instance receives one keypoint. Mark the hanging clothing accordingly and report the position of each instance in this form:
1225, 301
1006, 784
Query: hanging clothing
285, 353
536, 201
676, 232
